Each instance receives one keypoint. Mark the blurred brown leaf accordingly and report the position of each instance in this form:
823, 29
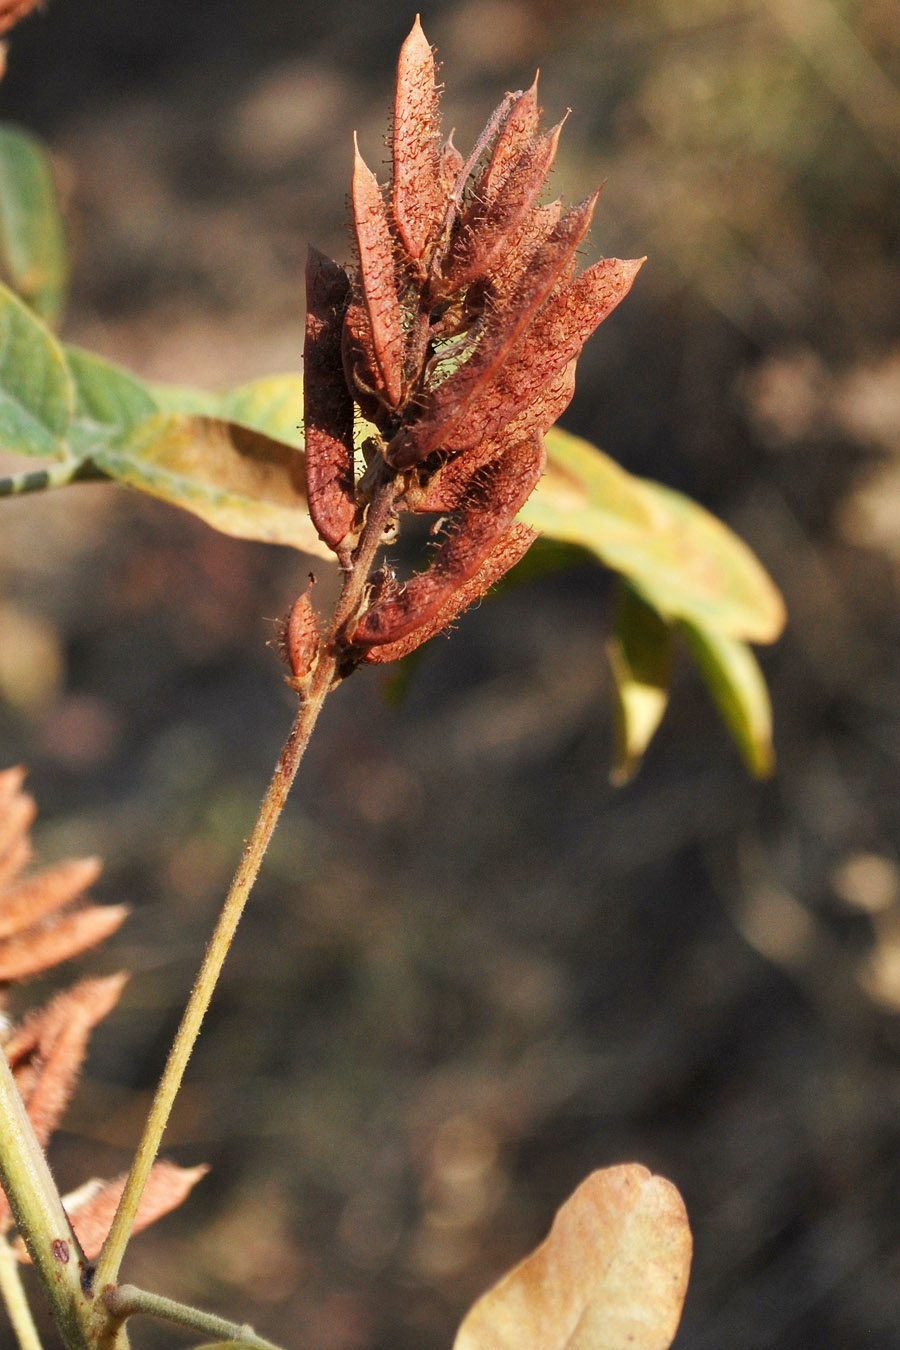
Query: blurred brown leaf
611, 1275
92, 1209
34, 935
47, 1050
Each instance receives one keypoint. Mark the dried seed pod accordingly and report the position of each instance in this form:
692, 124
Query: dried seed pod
299, 643
517, 134
450, 163
377, 274
547, 346
328, 405
443, 422
496, 495
509, 266
490, 225
509, 549
416, 196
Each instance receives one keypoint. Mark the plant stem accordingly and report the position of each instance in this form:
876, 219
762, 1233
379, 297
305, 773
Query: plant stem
13, 1295
126, 1300
50, 476
110, 1259
39, 1214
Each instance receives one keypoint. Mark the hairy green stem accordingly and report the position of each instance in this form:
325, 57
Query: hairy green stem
15, 1301
110, 1259
126, 1300
50, 476
39, 1214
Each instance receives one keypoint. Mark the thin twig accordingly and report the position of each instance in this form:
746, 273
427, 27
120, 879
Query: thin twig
126, 1300
13, 1294
39, 1214
50, 476
110, 1259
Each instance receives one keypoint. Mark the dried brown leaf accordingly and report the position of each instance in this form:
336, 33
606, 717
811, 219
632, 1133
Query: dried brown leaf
41, 948
611, 1275
167, 1187
328, 406
417, 198
377, 272
443, 423
496, 495
37, 896
509, 549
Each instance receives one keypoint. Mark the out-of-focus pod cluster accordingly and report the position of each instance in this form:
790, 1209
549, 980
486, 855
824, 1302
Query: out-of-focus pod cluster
456, 337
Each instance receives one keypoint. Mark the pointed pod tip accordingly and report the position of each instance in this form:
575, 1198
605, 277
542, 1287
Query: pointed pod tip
416, 37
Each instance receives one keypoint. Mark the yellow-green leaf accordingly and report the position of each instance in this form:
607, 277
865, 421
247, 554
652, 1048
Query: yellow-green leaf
237, 480
32, 235
37, 396
640, 658
738, 688
611, 1275
272, 405
685, 561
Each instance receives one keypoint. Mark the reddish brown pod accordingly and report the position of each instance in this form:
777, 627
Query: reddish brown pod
498, 492
328, 403
300, 638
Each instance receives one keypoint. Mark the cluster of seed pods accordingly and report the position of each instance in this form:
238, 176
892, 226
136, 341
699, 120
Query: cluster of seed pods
456, 337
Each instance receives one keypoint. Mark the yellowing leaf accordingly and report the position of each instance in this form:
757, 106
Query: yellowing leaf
611, 1275
237, 480
738, 689
640, 659
685, 561
32, 235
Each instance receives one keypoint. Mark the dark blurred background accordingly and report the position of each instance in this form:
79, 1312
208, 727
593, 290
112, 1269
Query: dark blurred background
472, 972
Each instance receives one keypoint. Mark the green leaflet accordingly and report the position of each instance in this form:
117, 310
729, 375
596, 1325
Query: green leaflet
32, 234
108, 402
640, 659
37, 395
687, 563
738, 689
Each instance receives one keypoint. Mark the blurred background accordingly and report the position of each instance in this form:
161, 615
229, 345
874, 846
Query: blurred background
472, 971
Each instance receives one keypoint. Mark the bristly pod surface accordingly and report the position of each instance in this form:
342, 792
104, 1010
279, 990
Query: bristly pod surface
299, 642
456, 336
